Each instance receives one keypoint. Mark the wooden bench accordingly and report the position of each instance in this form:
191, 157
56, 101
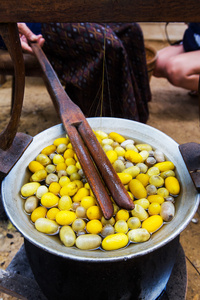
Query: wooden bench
32, 69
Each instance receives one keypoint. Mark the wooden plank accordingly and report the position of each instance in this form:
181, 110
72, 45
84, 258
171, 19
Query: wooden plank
99, 11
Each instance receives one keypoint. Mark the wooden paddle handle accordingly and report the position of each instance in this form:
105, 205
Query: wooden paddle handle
75, 122
110, 177
71, 116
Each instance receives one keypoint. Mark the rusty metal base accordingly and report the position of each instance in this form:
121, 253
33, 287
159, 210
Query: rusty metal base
18, 279
9, 157
191, 156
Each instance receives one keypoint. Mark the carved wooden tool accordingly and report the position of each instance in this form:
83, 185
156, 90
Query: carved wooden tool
13, 143
85, 143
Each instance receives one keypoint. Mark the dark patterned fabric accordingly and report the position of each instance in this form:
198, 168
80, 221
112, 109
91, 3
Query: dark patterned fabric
76, 52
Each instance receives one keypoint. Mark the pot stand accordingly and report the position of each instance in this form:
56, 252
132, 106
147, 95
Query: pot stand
18, 279
191, 155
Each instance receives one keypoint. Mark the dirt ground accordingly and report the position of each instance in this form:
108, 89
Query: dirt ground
172, 111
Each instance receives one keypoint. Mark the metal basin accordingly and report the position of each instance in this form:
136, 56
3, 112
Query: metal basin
145, 267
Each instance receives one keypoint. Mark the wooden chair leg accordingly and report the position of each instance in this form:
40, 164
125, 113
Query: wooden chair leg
12, 93
2, 79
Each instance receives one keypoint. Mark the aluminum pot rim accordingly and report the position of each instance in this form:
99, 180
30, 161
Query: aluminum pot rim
128, 128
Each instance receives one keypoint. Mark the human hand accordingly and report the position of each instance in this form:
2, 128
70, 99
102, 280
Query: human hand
27, 35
